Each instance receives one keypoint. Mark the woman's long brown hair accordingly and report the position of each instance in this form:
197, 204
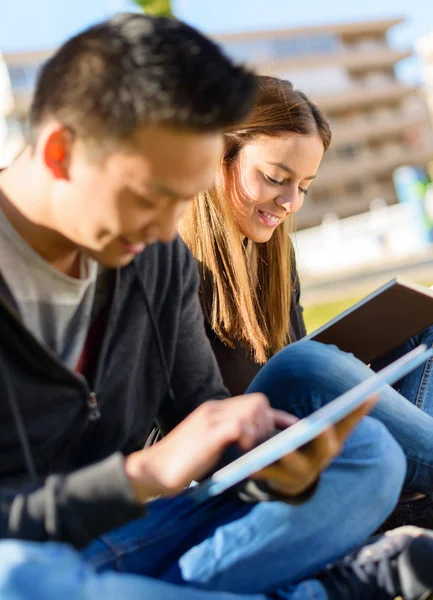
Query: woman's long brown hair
246, 288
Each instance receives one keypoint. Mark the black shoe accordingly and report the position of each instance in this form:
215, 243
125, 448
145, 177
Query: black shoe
415, 512
397, 564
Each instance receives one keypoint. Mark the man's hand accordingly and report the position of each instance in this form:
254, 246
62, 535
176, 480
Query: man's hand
296, 472
195, 446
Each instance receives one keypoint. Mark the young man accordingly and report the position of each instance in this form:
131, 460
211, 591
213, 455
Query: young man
102, 337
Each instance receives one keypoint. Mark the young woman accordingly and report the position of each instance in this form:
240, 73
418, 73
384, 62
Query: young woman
250, 288
239, 233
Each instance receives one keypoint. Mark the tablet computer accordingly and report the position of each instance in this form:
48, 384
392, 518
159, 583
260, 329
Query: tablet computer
307, 429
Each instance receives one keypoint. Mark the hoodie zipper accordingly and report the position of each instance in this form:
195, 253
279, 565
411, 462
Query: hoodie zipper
93, 408
89, 396
91, 399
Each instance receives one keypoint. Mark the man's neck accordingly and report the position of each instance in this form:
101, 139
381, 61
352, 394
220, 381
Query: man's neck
24, 209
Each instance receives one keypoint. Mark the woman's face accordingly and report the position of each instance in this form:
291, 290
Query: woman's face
271, 177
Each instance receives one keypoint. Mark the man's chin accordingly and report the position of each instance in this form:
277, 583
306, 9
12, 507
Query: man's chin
112, 261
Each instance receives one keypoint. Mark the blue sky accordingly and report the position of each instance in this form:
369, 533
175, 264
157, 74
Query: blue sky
33, 24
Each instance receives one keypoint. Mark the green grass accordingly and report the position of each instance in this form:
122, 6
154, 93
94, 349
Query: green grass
317, 315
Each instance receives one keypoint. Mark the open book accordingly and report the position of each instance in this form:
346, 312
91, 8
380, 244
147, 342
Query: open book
381, 321
308, 428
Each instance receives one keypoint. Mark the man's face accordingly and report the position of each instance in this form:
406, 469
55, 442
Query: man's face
113, 208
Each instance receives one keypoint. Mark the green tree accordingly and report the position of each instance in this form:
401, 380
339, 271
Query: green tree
160, 8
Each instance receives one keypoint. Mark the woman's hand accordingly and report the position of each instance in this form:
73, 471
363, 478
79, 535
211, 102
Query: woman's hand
296, 472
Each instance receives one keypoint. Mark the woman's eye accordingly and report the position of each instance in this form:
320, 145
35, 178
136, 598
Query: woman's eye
274, 181
304, 191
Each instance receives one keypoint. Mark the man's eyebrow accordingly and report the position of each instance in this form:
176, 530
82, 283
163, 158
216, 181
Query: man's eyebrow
166, 191
288, 169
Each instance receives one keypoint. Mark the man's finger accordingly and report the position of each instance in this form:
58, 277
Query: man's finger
283, 420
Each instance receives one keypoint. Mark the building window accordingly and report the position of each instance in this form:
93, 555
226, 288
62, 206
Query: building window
23, 77
252, 51
304, 46
13, 125
324, 44
347, 151
266, 49
285, 47
354, 188
318, 80
317, 197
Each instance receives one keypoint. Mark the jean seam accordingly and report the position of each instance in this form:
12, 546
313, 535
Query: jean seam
424, 383
117, 556
314, 596
419, 462
133, 546
308, 591
127, 547
124, 548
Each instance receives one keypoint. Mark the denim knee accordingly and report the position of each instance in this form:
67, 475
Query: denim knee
384, 460
306, 375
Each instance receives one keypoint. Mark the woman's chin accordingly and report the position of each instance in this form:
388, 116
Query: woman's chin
260, 237
256, 232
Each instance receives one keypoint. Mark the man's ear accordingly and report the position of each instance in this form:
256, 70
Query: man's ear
57, 152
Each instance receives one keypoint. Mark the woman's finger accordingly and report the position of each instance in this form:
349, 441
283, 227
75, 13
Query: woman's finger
345, 426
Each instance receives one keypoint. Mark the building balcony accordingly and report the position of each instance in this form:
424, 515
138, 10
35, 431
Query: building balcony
312, 214
346, 30
358, 96
353, 60
368, 163
380, 126
22, 100
31, 57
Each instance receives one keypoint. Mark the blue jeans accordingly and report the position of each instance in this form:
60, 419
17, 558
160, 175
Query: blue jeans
417, 387
327, 372
226, 549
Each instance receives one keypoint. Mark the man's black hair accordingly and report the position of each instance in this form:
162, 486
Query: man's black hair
135, 69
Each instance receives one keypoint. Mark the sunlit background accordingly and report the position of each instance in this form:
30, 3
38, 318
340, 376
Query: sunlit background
368, 65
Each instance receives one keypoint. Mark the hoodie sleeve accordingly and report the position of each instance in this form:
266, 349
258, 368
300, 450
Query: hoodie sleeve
73, 508
195, 375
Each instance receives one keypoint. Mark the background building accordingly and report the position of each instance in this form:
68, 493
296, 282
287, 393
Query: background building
7, 139
425, 50
378, 122
18, 72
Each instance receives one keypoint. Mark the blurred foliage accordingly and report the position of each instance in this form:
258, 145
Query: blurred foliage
160, 8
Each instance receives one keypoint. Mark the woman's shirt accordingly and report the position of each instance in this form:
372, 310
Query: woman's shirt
237, 367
